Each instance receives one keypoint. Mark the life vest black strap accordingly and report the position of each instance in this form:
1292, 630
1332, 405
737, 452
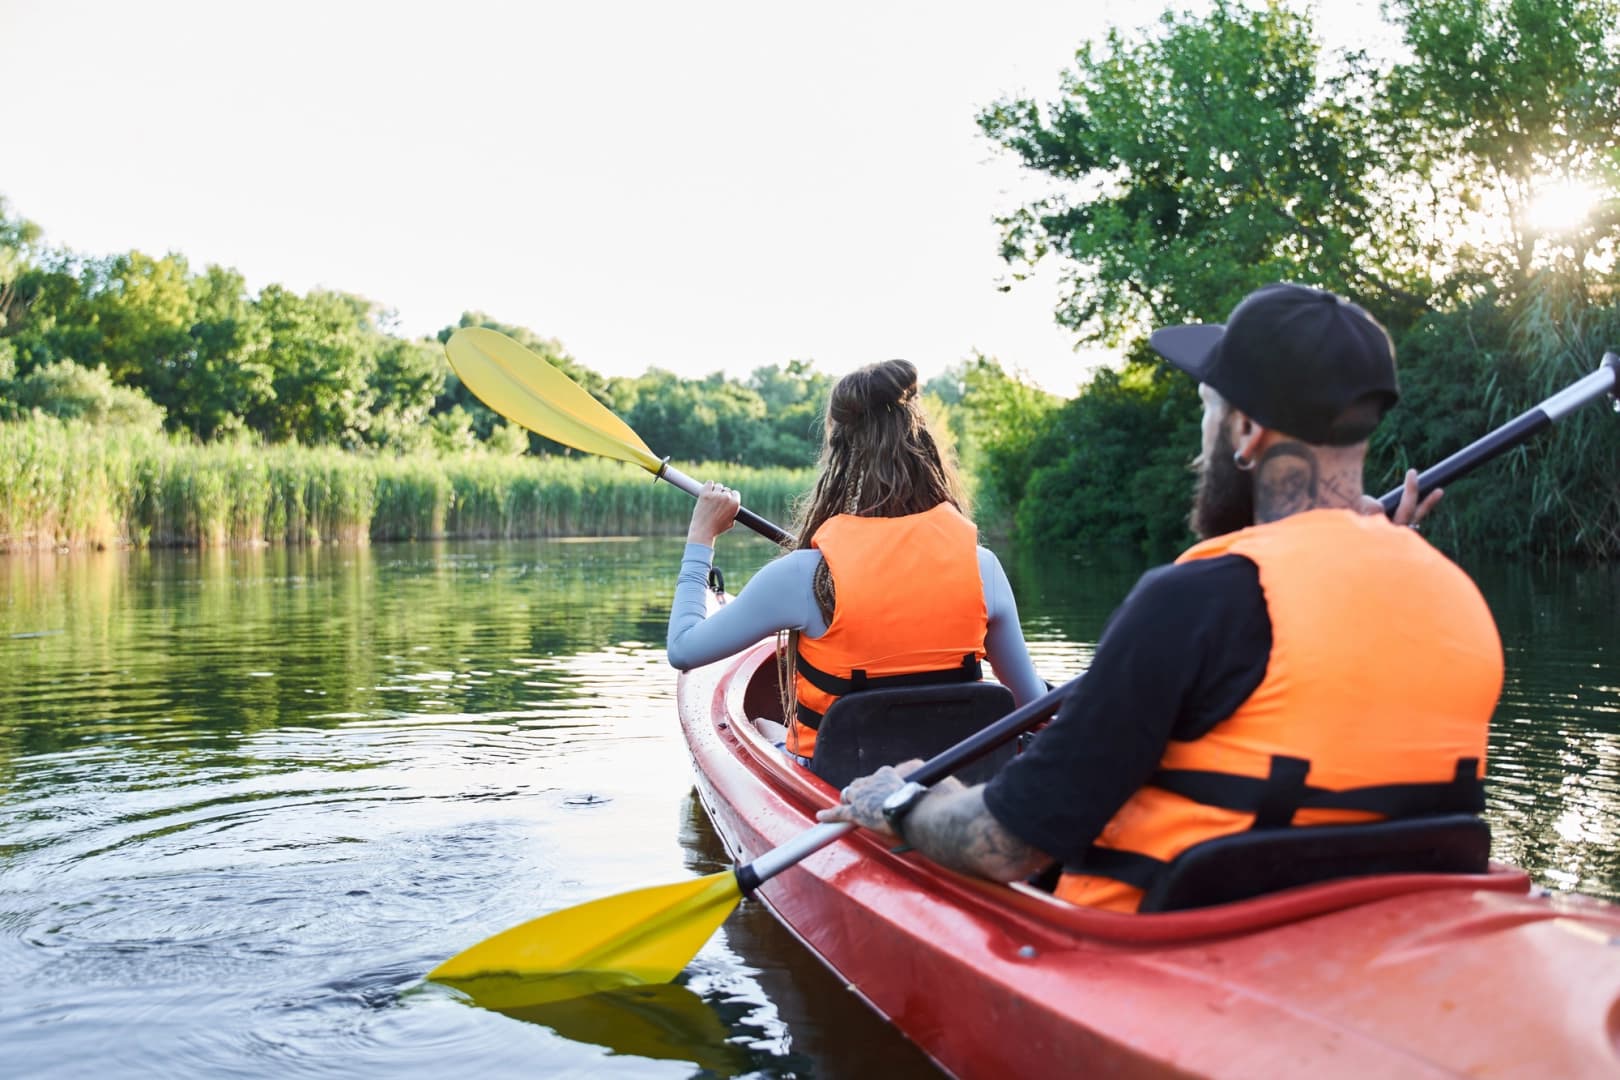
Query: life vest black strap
970, 670
1281, 792
808, 716
1275, 798
1131, 867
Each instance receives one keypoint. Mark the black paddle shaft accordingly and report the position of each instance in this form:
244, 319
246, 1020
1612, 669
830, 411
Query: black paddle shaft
745, 517
982, 742
1605, 380
751, 520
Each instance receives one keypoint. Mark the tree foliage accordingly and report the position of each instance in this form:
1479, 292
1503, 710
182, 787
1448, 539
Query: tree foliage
1001, 419
1194, 164
1500, 98
68, 391
1217, 151
134, 338
1113, 469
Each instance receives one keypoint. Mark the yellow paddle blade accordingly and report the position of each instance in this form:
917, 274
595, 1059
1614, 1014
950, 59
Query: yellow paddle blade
645, 936
521, 386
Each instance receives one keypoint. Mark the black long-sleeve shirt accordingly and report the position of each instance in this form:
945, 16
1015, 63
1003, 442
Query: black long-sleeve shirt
1188, 646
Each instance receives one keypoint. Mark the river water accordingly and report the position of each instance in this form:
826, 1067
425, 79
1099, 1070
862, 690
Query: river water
249, 797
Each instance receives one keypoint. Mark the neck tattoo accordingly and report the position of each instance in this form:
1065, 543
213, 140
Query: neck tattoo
1289, 479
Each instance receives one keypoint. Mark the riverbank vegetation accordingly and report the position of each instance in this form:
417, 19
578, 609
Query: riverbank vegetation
70, 483
1465, 190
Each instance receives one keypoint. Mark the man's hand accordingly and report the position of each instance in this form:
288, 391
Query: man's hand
716, 512
1410, 511
951, 825
861, 801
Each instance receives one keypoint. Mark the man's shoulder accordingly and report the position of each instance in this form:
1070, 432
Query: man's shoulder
1194, 600
1219, 574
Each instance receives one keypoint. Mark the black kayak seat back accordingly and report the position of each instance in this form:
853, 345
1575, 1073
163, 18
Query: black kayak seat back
1260, 861
863, 731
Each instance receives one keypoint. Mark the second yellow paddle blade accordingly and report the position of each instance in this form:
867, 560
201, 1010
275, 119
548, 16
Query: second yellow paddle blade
644, 936
523, 387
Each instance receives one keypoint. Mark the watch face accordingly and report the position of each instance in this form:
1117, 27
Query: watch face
903, 796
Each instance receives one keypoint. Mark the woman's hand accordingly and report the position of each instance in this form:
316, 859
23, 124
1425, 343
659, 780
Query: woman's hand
715, 513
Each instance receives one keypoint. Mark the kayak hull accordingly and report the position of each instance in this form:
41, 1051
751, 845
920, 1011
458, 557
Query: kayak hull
1395, 975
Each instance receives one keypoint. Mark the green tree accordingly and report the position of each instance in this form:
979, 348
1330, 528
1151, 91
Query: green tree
225, 374
68, 391
194, 344
709, 419
141, 311
1499, 99
409, 377
451, 431
795, 397
1113, 470
998, 421
322, 350
1193, 164
48, 318
17, 238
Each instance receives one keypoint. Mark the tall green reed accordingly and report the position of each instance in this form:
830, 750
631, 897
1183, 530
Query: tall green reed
66, 483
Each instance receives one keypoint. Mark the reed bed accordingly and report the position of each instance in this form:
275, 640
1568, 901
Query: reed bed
69, 484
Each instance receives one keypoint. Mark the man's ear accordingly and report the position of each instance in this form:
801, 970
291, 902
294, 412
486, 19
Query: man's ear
1248, 435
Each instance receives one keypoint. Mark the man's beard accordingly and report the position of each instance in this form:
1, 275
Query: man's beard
1225, 499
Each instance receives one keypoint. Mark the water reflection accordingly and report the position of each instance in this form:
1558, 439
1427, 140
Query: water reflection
1554, 796
662, 1021
248, 797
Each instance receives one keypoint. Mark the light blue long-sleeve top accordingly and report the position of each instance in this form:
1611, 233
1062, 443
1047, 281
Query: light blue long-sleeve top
782, 597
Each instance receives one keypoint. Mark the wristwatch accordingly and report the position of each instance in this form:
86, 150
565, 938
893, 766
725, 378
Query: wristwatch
901, 801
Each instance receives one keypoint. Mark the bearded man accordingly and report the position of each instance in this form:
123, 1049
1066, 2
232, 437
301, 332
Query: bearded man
1308, 662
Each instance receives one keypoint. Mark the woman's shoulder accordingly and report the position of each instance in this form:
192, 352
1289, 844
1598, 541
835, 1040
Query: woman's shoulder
990, 570
794, 566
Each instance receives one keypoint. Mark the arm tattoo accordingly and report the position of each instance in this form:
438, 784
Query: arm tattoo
956, 830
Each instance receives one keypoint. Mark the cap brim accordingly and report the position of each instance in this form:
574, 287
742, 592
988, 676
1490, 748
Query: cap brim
1190, 347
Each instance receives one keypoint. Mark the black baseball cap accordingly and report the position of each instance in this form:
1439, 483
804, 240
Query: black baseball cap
1298, 360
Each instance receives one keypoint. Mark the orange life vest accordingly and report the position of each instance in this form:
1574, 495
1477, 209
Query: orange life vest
910, 609
1385, 667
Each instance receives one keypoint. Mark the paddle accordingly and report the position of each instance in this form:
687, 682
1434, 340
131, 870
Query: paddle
1605, 380
650, 935
526, 389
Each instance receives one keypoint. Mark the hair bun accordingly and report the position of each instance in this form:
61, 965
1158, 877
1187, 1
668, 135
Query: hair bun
896, 383
873, 389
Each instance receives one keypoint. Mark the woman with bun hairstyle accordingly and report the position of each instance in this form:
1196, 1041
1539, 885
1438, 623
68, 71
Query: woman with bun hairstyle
887, 577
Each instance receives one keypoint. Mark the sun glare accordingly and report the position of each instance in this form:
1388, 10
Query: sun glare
1562, 206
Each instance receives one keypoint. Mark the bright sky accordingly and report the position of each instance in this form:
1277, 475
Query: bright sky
702, 186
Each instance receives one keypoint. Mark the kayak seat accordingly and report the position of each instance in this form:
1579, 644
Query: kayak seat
864, 731
1260, 861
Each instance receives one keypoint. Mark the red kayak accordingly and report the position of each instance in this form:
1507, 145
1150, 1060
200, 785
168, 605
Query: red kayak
1411, 975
